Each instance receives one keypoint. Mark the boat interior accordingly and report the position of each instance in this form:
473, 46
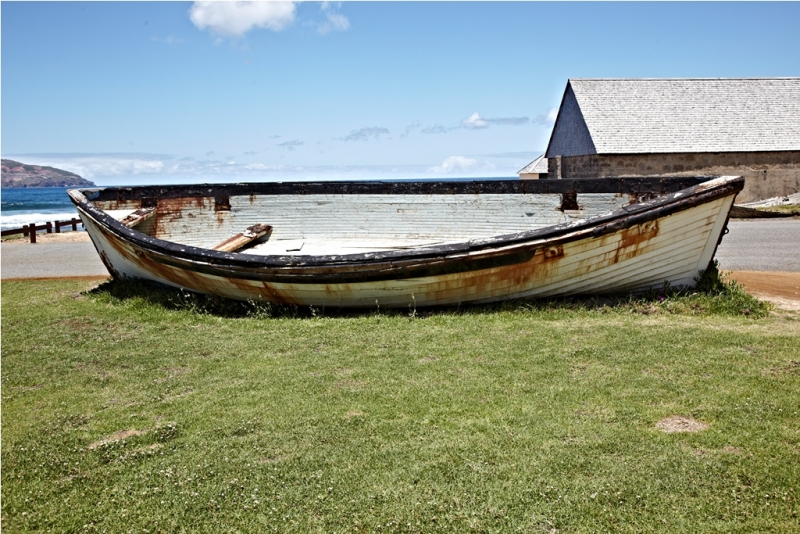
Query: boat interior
319, 219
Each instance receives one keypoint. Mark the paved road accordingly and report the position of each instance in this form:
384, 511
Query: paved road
751, 245
761, 245
50, 260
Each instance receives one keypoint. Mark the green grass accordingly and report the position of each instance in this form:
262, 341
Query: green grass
14, 237
129, 409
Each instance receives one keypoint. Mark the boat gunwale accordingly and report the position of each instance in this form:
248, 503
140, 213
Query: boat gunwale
596, 226
625, 185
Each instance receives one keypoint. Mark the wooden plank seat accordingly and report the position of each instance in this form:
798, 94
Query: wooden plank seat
138, 217
235, 242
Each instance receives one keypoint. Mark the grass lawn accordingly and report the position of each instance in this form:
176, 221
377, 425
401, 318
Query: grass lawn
124, 414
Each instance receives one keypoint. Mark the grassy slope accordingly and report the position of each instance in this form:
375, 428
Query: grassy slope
529, 419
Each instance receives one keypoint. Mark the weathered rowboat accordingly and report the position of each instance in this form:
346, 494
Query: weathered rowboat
390, 244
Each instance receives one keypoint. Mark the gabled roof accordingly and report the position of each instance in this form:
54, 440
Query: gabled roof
630, 116
537, 166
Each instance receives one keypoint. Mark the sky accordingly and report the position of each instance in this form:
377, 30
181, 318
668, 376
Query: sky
127, 93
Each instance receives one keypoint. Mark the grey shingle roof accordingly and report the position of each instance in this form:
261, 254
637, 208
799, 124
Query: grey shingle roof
537, 166
630, 116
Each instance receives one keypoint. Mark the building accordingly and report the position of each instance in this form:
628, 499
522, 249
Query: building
534, 170
673, 127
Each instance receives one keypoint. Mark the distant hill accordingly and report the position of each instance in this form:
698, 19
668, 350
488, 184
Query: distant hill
16, 174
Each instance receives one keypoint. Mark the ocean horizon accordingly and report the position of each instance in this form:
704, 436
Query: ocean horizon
21, 206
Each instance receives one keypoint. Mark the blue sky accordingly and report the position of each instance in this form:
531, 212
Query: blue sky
163, 92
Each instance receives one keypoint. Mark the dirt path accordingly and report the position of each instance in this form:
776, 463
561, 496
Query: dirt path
782, 289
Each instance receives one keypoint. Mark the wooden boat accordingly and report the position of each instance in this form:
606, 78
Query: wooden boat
392, 244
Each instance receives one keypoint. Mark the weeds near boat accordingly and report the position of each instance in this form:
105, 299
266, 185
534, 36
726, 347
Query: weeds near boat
713, 295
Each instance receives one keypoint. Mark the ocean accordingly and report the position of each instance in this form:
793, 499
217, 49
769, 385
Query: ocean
34, 205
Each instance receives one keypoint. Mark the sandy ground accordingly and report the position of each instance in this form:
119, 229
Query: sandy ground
63, 237
782, 289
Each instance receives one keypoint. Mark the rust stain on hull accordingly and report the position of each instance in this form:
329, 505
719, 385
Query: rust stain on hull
171, 210
579, 256
188, 279
631, 240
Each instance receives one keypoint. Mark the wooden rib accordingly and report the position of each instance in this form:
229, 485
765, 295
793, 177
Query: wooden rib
241, 239
138, 217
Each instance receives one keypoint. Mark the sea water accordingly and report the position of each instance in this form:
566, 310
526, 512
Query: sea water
21, 206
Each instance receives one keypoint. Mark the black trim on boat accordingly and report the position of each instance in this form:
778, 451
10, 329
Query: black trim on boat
632, 186
385, 265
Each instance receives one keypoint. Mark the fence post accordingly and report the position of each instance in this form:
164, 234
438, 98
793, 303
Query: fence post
32, 231
74, 224
49, 227
58, 226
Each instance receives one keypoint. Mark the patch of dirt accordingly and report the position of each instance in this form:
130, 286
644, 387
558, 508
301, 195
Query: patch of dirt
63, 237
731, 449
679, 423
350, 384
790, 368
172, 372
695, 452
781, 289
119, 435
353, 413
77, 325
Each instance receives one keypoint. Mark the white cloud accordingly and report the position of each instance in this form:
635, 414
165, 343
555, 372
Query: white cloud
453, 164
291, 145
437, 129
138, 168
509, 121
365, 134
333, 21
235, 18
410, 128
549, 119
90, 166
476, 122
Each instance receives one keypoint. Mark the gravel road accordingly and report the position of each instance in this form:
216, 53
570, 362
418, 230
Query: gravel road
751, 245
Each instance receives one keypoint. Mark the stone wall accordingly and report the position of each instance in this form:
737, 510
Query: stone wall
767, 174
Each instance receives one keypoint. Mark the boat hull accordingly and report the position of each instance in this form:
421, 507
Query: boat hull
668, 240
